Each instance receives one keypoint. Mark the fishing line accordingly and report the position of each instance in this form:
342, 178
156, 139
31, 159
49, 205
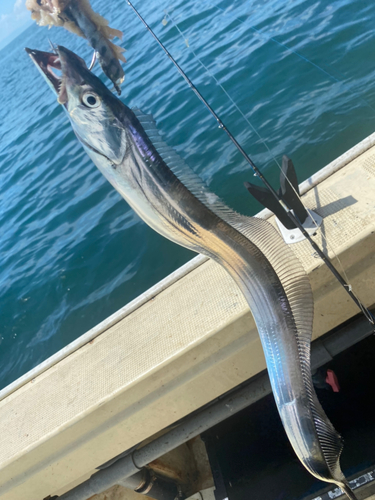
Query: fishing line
223, 89
257, 172
328, 244
298, 54
255, 131
368, 315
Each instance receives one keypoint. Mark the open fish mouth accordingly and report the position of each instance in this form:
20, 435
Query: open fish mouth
49, 64
58, 67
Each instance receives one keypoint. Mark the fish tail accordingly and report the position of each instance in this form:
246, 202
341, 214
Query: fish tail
298, 291
348, 491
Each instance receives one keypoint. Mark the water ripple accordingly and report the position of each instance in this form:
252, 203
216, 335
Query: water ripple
71, 251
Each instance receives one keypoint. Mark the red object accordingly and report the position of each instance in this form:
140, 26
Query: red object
332, 380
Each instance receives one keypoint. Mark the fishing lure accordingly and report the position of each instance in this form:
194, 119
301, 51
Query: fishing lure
78, 17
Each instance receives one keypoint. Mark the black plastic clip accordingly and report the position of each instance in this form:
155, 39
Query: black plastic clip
288, 193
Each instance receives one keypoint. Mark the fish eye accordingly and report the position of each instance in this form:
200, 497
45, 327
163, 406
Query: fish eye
91, 100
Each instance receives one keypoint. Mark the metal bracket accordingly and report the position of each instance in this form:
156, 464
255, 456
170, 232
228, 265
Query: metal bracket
289, 199
312, 223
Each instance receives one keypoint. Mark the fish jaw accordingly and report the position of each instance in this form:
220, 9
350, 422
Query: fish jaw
61, 60
45, 61
73, 70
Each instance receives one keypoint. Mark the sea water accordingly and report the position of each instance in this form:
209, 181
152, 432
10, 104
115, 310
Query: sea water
71, 250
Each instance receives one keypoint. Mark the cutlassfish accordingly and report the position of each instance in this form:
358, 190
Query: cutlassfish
127, 148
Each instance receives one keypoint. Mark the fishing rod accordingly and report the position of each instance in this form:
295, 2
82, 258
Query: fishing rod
369, 316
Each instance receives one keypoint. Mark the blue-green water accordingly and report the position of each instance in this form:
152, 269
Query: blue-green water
71, 250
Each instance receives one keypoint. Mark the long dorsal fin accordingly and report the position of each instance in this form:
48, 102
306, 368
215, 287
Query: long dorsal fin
286, 265
258, 231
181, 170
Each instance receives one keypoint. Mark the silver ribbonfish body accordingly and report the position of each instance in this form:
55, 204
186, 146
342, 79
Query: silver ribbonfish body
126, 147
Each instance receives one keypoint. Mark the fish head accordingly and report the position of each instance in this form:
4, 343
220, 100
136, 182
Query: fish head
94, 112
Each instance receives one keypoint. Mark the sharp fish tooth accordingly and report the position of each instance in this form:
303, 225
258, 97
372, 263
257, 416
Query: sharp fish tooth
93, 60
